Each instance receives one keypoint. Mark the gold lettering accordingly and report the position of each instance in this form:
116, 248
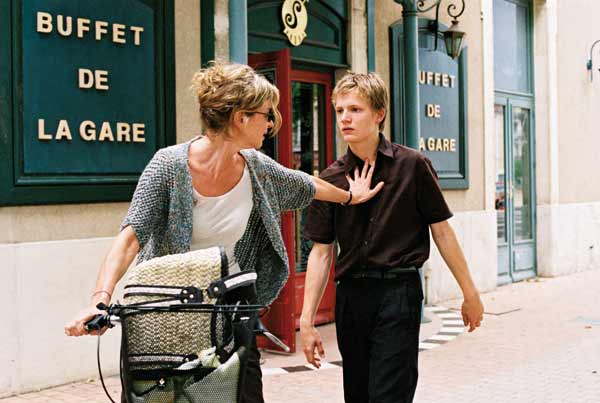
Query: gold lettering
445, 80
429, 110
452, 80
431, 144
106, 132
64, 25
42, 135
63, 131
436, 79
433, 111
136, 34
44, 22
118, 33
101, 79
86, 78
67, 26
138, 132
83, 25
87, 130
438, 145
101, 29
123, 132
96, 78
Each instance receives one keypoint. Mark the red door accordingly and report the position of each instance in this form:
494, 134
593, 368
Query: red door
276, 67
304, 142
312, 151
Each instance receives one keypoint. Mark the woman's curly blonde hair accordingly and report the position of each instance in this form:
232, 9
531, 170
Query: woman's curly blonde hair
225, 88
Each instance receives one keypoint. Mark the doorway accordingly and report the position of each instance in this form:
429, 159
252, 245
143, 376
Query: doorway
304, 142
515, 193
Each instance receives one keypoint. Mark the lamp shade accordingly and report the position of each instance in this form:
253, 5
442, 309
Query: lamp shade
453, 38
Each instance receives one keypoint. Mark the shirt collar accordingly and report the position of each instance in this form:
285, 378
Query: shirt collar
385, 148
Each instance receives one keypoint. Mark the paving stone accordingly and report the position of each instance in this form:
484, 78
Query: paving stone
532, 347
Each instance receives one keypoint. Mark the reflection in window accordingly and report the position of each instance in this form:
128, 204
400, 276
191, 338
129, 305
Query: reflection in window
522, 174
500, 200
308, 149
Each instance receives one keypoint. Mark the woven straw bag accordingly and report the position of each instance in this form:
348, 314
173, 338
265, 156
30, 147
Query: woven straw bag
179, 278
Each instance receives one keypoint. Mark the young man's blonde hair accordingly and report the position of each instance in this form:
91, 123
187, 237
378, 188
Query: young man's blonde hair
370, 86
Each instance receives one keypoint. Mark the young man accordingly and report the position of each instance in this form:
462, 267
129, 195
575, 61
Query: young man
382, 245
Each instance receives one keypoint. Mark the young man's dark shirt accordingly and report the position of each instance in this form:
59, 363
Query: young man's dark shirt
392, 229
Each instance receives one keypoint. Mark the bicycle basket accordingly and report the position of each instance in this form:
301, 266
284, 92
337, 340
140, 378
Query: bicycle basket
186, 326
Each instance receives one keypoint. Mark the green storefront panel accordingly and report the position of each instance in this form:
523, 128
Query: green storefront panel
90, 98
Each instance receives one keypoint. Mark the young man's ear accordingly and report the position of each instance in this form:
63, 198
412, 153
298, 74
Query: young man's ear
380, 114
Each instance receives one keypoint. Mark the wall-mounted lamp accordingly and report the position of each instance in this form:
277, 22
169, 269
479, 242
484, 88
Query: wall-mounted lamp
453, 37
589, 63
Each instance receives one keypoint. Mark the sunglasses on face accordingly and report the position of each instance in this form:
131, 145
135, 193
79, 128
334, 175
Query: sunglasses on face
269, 115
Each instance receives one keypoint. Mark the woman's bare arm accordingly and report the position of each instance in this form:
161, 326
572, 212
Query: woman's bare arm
122, 251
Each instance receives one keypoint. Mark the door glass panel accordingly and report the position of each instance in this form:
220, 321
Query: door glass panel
522, 174
308, 149
511, 50
500, 200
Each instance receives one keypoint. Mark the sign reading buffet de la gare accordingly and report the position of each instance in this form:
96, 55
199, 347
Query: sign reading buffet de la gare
89, 87
442, 87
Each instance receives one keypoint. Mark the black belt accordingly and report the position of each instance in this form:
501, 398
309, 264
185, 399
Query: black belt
383, 274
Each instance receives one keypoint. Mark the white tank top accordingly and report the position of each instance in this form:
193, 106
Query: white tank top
222, 220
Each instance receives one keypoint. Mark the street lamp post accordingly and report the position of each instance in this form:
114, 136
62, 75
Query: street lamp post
453, 37
410, 17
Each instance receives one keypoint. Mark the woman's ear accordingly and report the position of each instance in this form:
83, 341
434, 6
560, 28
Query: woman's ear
240, 117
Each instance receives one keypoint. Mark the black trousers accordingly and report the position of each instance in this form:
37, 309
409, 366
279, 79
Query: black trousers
377, 324
253, 387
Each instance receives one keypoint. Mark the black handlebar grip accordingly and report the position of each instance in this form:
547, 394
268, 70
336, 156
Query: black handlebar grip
96, 323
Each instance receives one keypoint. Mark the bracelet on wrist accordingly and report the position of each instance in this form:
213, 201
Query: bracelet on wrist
347, 203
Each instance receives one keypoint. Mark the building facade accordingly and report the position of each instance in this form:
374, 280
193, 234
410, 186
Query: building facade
88, 94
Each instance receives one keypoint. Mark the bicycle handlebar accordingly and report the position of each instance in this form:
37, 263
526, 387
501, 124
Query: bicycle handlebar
97, 322
101, 321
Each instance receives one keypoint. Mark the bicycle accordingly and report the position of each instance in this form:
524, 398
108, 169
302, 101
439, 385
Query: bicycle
184, 343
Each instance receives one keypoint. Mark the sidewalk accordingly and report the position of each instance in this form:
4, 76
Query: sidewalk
539, 342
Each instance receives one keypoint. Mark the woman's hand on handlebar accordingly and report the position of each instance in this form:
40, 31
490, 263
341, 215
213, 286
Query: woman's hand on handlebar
76, 326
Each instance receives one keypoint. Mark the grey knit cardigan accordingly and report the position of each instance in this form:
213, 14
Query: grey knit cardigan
160, 213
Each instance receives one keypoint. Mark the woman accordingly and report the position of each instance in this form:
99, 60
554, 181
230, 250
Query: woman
218, 190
